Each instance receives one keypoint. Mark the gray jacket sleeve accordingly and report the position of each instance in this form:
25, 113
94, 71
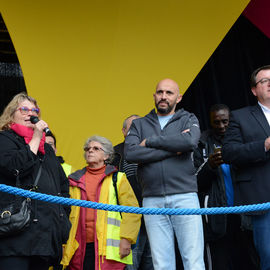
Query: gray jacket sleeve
179, 141
139, 154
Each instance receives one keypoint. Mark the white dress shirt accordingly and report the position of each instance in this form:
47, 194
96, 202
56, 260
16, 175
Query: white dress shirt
266, 112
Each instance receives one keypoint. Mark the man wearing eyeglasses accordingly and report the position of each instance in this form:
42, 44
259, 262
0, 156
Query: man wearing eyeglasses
161, 143
246, 146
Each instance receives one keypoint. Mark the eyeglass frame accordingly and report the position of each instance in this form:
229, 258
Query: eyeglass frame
33, 110
95, 149
263, 81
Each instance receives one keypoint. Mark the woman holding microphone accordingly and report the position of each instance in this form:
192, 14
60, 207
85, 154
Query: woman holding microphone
23, 156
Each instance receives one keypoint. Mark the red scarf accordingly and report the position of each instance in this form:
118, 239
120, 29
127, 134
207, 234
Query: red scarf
27, 133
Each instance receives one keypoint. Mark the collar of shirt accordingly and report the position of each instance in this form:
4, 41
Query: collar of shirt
163, 120
266, 112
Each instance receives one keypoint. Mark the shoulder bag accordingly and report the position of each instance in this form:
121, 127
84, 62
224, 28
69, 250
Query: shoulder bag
15, 217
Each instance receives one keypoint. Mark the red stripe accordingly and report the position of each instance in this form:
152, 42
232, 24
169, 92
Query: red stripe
258, 12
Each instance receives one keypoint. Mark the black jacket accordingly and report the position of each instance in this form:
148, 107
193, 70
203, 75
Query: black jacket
243, 147
212, 188
161, 170
133, 179
119, 156
45, 236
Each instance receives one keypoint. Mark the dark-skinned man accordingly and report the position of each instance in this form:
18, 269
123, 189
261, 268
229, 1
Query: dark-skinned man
228, 243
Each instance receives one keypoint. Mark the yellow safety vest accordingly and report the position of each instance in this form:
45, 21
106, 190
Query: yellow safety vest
113, 228
67, 168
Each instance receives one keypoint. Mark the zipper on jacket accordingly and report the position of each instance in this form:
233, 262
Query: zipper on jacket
162, 168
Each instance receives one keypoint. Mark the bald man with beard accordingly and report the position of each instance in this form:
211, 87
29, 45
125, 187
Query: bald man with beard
162, 143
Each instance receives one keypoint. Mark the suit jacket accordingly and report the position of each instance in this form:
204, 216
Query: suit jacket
243, 147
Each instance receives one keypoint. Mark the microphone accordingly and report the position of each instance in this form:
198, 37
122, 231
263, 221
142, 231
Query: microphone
34, 120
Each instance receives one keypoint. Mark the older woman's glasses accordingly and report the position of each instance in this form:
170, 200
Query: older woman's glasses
25, 110
94, 148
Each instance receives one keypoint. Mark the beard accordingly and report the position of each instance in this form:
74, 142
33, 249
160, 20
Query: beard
164, 110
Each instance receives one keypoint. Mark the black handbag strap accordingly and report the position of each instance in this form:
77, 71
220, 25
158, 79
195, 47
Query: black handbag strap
114, 178
34, 188
35, 185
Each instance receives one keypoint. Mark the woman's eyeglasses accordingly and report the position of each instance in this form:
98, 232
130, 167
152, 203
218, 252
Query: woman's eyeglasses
25, 110
94, 148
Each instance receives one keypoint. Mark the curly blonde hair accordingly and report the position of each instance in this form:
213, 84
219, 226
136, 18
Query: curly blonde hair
7, 117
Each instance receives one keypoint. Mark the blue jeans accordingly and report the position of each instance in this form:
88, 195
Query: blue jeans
188, 230
261, 235
141, 254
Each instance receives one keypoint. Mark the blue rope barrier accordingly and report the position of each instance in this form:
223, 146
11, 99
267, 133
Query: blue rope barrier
136, 210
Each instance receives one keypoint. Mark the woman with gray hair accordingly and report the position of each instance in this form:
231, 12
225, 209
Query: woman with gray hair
99, 239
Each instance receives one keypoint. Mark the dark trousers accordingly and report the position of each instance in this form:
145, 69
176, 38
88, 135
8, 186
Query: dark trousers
89, 258
23, 263
235, 250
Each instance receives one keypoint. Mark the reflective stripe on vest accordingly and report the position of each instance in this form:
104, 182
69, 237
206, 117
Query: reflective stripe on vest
113, 228
113, 221
113, 242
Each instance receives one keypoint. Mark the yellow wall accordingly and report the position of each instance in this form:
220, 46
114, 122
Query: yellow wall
91, 63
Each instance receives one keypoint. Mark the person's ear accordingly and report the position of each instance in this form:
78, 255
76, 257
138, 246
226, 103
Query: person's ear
179, 98
105, 157
124, 132
253, 90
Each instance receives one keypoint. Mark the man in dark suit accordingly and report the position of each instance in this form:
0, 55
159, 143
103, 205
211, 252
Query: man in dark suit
246, 146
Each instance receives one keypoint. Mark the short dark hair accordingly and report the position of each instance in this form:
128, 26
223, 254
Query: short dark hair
253, 77
218, 107
50, 134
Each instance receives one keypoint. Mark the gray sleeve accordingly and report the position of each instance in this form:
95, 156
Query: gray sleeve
178, 142
139, 154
